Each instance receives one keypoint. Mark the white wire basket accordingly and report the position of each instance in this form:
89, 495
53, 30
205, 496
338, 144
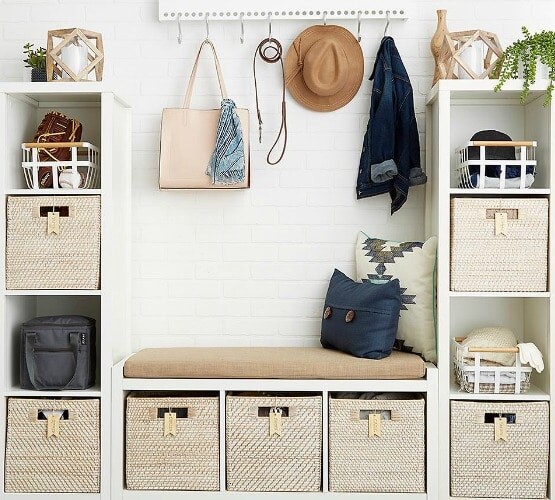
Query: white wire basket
493, 173
80, 171
482, 378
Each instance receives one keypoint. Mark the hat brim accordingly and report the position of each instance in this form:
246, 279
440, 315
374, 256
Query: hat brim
294, 78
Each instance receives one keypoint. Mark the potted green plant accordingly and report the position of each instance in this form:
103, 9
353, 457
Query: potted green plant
36, 60
525, 55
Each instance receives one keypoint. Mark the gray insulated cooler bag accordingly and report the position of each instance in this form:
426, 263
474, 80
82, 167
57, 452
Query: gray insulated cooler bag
58, 352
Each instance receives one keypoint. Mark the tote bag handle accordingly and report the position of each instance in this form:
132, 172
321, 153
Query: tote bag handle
223, 90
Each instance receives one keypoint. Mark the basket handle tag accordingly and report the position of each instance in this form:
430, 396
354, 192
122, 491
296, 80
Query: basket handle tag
170, 423
53, 223
375, 425
501, 223
500, 429
53, 426
275, 422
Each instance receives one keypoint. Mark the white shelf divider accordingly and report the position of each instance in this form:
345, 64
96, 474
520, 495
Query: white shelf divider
501, 294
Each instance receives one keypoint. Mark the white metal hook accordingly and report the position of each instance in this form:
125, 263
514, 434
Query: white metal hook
358, 26
269, 25
242, 27
325, 17
207, 26
387, 23
179, 34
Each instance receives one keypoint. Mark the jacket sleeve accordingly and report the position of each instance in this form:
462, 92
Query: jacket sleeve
383, 167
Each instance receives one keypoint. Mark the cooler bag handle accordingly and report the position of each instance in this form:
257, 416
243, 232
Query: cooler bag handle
30, 340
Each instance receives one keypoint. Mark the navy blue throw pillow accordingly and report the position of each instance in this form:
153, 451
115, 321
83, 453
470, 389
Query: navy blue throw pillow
361, 318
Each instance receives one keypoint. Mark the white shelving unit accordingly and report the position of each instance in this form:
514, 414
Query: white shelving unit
106, 123
456, 109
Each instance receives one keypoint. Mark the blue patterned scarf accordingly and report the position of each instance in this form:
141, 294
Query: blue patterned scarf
227, 164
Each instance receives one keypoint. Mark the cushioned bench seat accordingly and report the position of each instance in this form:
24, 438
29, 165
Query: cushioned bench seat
269, 363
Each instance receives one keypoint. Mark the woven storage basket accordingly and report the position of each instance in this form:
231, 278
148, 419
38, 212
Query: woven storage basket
68, 463
390, 463
484, 467
258, 462
68, 260
514, 259
188, 460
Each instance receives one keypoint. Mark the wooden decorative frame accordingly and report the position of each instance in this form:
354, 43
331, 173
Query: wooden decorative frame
455, 43
57, 70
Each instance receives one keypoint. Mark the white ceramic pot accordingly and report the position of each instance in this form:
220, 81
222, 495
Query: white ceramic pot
542, 71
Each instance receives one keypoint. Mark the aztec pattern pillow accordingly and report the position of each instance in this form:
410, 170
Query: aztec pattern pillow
413, 263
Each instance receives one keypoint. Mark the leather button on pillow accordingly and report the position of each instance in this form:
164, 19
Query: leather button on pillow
327, 312
350, 316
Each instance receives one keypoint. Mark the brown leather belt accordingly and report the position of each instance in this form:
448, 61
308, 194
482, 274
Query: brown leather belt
270, 51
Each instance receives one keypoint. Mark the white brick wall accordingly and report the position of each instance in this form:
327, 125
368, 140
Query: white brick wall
249, 267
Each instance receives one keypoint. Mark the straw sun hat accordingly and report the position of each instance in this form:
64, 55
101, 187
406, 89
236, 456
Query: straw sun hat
324, 67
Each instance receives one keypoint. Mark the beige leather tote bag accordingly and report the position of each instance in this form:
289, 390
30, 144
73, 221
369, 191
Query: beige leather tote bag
188, 137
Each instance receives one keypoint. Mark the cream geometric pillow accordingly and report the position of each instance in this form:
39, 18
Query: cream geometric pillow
413, 263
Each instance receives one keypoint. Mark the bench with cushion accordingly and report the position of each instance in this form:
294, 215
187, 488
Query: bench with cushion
228, 370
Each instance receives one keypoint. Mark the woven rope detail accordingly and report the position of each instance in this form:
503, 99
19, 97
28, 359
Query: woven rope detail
257, 462
187, 461
391, 463
484, 262
69, 463
483, 467
35, 259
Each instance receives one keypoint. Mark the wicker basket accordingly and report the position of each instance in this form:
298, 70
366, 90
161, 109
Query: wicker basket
393, 462
67, 463
39, 257
506, 252
490, 377
257, 461
186, 460
482, 466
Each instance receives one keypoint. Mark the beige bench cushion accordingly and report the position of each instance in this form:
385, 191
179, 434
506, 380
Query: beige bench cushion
269, 362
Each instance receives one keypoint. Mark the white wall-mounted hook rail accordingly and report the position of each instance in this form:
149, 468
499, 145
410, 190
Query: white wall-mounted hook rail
250, 10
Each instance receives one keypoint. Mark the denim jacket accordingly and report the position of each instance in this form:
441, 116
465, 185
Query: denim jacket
390, 159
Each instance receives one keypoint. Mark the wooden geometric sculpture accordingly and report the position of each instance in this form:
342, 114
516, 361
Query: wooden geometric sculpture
454, 44
55, 65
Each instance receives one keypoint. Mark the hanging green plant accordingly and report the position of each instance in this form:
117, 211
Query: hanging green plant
528, 51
